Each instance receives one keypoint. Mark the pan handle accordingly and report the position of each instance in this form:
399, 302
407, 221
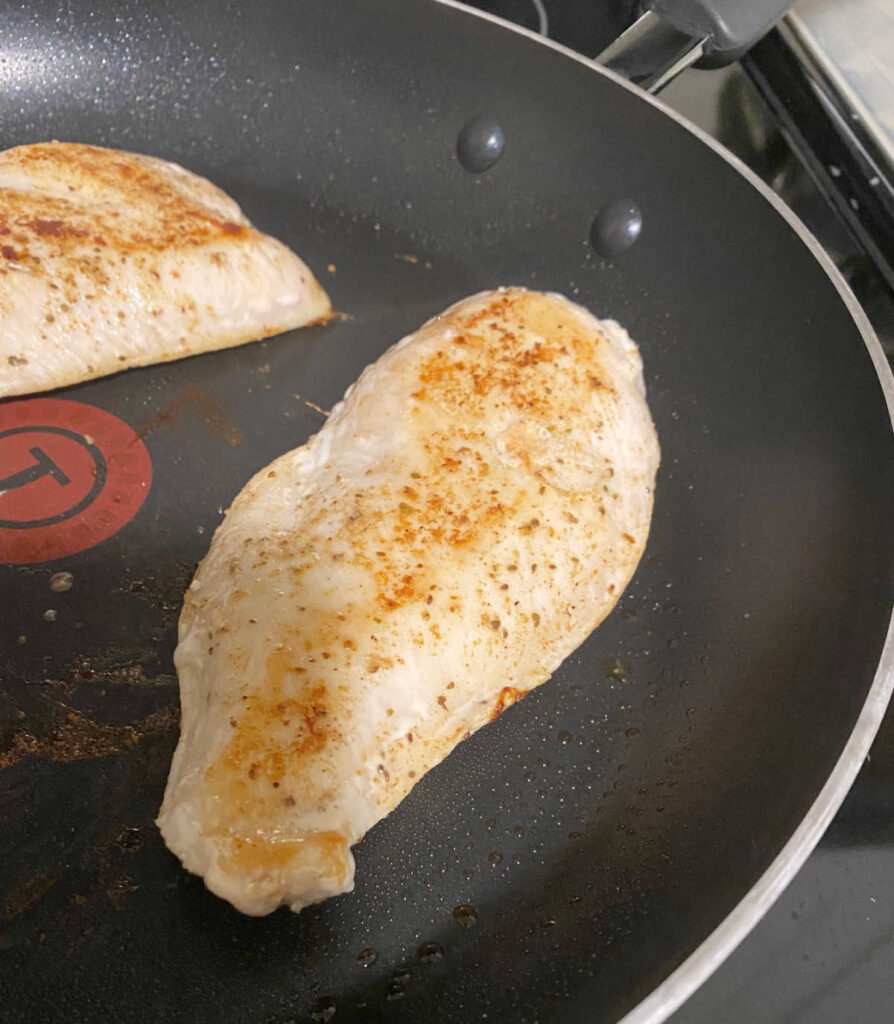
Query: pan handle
671, 35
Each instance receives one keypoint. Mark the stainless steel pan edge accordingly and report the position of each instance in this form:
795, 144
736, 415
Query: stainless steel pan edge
702, 963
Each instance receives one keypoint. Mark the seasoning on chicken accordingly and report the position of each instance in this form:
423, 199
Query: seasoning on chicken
110, 260
467, 515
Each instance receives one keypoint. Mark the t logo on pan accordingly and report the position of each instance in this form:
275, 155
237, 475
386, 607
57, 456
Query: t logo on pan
54, 503
43, 466
71, 476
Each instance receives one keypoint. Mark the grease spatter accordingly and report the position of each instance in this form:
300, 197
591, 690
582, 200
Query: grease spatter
430, 952
50, 615
323, 1009
131, 839
494, 859
564, 737
614, 668
70, 736
401, 975
367, 957
465, 915
61, 581
394, 991
193, 398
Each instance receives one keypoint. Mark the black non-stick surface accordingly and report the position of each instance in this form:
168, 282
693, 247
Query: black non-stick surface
601, 828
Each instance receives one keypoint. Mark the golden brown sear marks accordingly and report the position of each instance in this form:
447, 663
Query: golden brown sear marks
36, 225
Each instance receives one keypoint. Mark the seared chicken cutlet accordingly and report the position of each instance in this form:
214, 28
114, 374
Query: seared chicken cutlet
110, 260
467, 515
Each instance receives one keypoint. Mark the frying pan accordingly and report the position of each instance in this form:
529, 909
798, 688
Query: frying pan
617, 832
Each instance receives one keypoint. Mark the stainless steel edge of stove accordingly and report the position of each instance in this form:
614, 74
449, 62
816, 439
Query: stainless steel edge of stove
706, 958
798, 33
836, 143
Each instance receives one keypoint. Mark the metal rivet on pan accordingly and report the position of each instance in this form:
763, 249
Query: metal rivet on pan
616, 227
480, 143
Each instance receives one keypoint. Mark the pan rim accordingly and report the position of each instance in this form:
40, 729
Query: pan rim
704, 960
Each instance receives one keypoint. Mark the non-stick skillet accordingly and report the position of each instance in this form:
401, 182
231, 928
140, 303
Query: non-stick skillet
612, 837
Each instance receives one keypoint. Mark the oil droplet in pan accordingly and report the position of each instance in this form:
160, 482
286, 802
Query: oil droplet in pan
367, 957
61, 581
323, 1009
465, 915
430, 953
614, 668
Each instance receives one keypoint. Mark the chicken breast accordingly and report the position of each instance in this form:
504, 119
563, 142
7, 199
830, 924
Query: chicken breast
110, 260
467, 515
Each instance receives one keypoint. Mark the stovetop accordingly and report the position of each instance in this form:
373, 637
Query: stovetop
824, 954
